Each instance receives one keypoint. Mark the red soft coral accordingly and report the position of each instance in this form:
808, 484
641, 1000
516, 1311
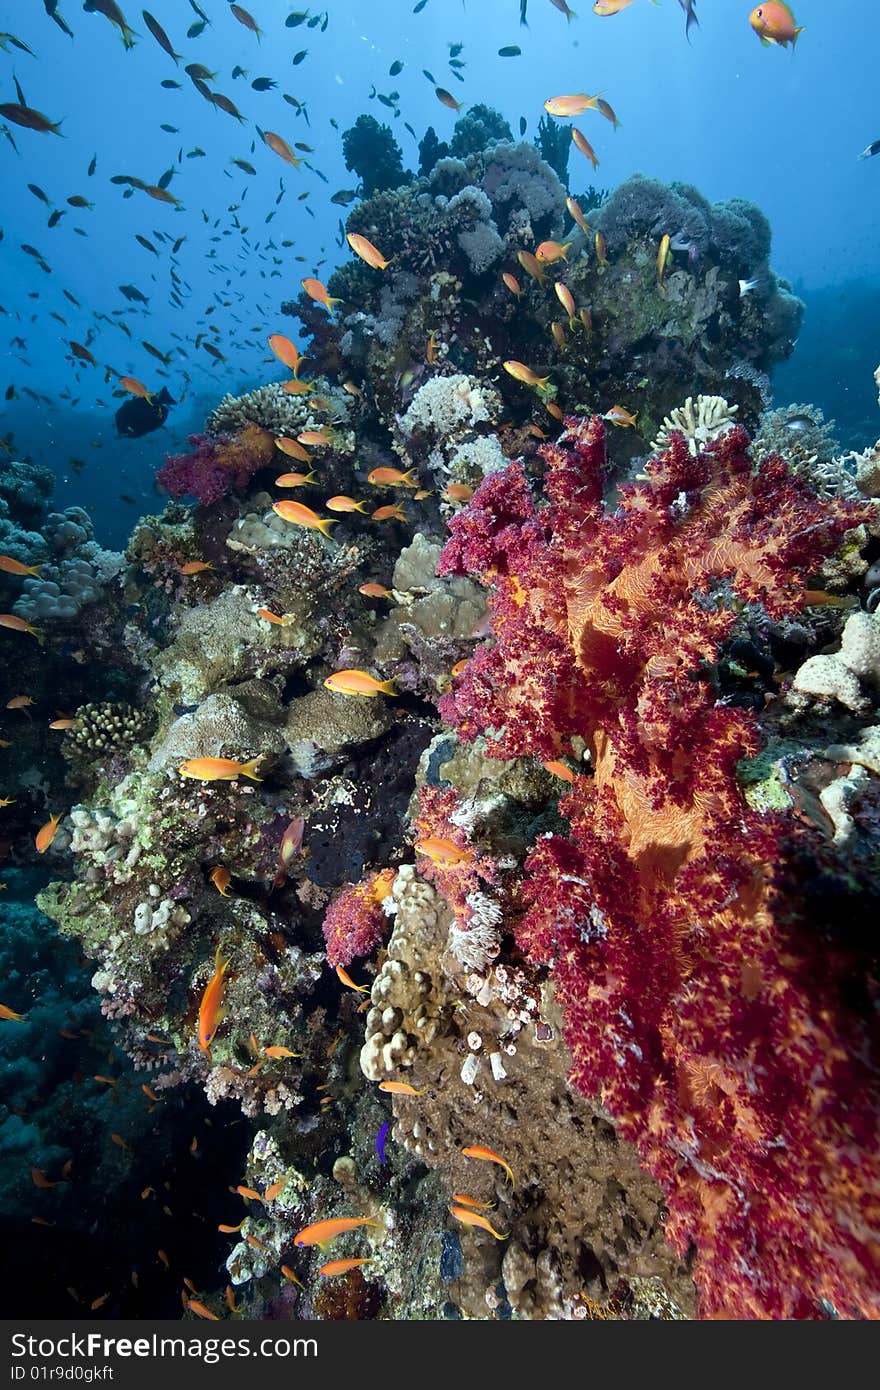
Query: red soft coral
219, 464
719, 1035
354, 924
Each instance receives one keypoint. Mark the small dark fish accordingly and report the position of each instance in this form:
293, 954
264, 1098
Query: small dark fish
38, 193
430, 76
165, 179
263, 84
51, 8
170, 129
238, 71
798, 423
73, 299
293, 21
344, 196
196, 153
381, 1137
78, 201
11, 394
417, 9
201, 13
195, 29
298, 57
133, 294
513, 50
170, 85
690, 12
227, 105
110, 10
523, 123
26, 116
16, 43
396, 67
56, 217
159, 35
163, 357
148, 245
177, 245
199, 73
523, 6
871, 150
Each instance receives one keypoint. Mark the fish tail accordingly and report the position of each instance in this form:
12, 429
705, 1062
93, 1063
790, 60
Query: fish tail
324, 526
249, 769
798, 31
387, 688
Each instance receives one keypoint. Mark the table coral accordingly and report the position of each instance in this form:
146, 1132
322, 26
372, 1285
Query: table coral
720, 1035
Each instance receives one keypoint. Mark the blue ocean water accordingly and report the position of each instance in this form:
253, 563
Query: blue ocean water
782, 127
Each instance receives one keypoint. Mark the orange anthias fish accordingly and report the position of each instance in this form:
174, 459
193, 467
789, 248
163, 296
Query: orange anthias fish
443, 851
316, 438
243, 17
583, 144
373, 590
284, 620
532, 266
19, 702
774, 22
512, 283
135, 387
62, 724
520, 372
295, 387
608, 7
295, 479
221, 879
341, 503
566, 299
298, 514
574, 105
291, 844
279, 146
211, 1013
322, 1232
286, 351
577, 216
293, 449
473, 1218
17, 624
459, 1199
46, 833
559, 769
601, 249
278, 1053
488, 1155
220, 769
9, 1015
315, 290
400, 1088
358, 683
334, 1267
345, 979
367, 251
392, 477
617, 415
607, 110
549, 252
192, 1304
196, 567
12, 566
388, 513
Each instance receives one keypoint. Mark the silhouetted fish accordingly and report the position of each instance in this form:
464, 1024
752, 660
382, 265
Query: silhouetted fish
138, 417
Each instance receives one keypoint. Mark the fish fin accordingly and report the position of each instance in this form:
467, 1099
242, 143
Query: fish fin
798, 31
387, 688
249, 769
323, 527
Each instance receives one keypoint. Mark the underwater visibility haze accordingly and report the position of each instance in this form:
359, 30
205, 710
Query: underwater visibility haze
440, 616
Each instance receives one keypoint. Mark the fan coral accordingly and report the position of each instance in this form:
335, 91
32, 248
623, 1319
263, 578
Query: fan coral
219, 464
355, 923
729, 1044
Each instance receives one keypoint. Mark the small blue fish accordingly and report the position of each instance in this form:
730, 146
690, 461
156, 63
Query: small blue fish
380, 1141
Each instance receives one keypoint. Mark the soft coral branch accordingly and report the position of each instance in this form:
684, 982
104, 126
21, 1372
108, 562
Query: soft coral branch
717, 1032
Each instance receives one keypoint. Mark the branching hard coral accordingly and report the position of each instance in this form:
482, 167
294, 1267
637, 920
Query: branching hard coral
220, 464
355, 923
730, 1045
700, 421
